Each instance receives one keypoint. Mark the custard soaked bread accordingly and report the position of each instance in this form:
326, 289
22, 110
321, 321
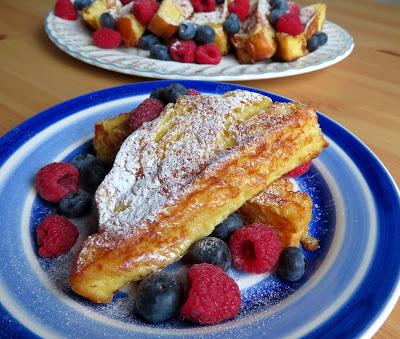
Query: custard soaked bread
177, 177
286, 210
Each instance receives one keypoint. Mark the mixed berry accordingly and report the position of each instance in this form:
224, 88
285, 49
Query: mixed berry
191, 42
205, 294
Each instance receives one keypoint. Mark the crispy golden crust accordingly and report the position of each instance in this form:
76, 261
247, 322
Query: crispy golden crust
288, 211
160, 27
271, 143
131, 30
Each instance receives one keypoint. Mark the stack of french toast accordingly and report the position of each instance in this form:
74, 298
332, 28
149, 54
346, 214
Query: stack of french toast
175, 178
257, 39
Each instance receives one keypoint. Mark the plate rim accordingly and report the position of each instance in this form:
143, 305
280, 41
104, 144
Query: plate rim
27, 129
178, 76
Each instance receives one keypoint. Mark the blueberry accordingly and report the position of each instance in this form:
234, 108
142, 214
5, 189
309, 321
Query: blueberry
158, 94
81, 4
313, 43
219, 2
75, 205
172, 92
82, 160
322, 38
292, 264
148, 40
94, 173
159, 297
232, 24
228, 226
205, 34
107, 20
274, 16
279, 4
212, 251
186, 30
159, 52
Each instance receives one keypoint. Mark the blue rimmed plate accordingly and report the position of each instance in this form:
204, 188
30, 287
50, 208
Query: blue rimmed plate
73, 37
351, 285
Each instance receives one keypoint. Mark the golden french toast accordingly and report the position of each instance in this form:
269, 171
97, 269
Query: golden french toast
293, 47
109, 134
177, 177
286, 210
215, 19
168, 17
130, 28
256, 39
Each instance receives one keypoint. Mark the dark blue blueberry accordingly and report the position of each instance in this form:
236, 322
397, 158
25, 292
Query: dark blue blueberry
158, 94
232, 24
107, 20
93, 174
312, 43
172, 92
159, 297
292, 264
205, 34
228, 226
148, 40
219, 2
279, 4
75, 205
274, 16
212, 251
82, 160
186, 30
159, 52
322, 38
81, 4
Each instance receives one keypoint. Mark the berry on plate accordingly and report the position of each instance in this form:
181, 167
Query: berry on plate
107, 20
148, 110
205, 34
56, 180
300, 170
322, 38
82, 160
255, 248
313, 43
292, 264
186, 30
232, 24
208, 54
192, 91
107, 38
75, 205
289, 24
241, 8
210, 250
293, 9
172, 92
159, 297
148, 40
274, 16
183, 50
81, 4
55, 235
224, 230
94, 173
213, 296
65, 9
279, 4
203, 5
159, 52
144, 10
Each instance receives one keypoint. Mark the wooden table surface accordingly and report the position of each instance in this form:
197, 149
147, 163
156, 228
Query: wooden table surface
361, 93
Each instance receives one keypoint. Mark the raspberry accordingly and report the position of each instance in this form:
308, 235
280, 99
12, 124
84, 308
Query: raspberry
125, 2
294, 9
55, 181
144, 10
208, 54
255, 248
204, 5
300, 170
148, 110
192, 91
240, 7
65, 9
183, 51
289, 24
55, 235
106, 38
213, 296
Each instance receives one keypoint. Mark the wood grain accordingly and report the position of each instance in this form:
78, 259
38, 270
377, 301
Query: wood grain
361, 92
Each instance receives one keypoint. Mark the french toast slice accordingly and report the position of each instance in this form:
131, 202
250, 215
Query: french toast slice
256, 39
286, 210
215, 19
131, 29
293, 47
177, 177
168, 17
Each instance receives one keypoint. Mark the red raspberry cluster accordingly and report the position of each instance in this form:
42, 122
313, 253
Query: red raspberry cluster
290, 23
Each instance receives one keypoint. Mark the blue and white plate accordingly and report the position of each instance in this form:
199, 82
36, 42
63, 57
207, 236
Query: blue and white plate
351, 283
74, 38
